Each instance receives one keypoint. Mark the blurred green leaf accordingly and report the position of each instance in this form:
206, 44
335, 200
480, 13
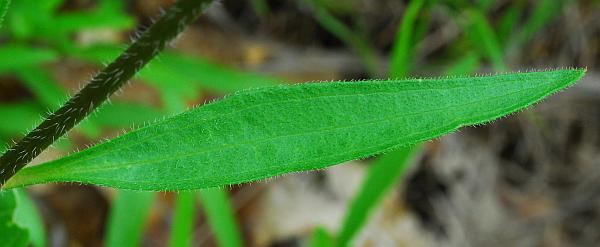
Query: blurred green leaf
190, 73
383, 173
19, 117
212, 76
509, 20
482, 35
543, 13
120, 114
402, 50
485, 4
221, 218
184, 216
16, 56
27, 216
109, 16
464, 65
12, 234
127, 218
352, 39
42, 85
320, 238
3, 9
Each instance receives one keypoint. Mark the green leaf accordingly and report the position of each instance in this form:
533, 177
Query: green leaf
43, 86
120, 114
184, 217
212, 76
543, 13
482, 35
464, 65
402, 51
190, 72
13, 56
344, 33
272, 131
382, 175
127, 219
12, 234
27, 216
320, 238
219, 213
18, 117
3, 9
509, 21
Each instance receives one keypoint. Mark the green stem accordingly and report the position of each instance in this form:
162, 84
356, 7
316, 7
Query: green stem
104, 84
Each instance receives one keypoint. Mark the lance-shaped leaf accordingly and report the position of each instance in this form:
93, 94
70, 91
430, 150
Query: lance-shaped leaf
271, 131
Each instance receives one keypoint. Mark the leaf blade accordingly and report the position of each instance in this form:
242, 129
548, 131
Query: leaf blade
126, 226
272, 131
382, 175
220, 216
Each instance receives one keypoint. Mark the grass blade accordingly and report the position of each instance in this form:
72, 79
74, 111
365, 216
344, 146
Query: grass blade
184, 216
127, 218
482, 34
361, 46
271, 131
382, 175
541, 16
3, 9
42, 86
219, 213
464, 66
27, 216
401, 51
16, 118
320, 238
14, 56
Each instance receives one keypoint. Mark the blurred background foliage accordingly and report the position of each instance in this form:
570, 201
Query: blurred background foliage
50, 48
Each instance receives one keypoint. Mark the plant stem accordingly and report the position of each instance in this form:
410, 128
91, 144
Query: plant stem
102, 85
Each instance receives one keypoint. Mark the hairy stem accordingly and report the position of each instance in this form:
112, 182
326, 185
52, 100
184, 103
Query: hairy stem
104, 84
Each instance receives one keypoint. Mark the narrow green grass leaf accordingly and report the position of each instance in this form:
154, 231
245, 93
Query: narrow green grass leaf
11, 234
3, 9
272, 131
464, 65
221, 218
212, 76
43, 86
482, 35
123, 114
14, 56
361, 46
543, 13
28, 217
184, 216
18, 117
401, 51
127, 219
509, 20
382, 175
320, 238
186, 70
